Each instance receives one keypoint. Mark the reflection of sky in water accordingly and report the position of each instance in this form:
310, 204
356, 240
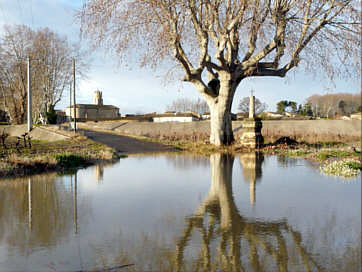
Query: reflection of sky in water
152, 196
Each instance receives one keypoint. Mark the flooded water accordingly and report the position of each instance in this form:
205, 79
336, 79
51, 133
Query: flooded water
173, 212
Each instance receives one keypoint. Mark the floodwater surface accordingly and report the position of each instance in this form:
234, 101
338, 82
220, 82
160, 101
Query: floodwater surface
176, 212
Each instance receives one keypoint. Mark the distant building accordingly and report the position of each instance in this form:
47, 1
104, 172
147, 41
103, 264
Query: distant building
356, 116
176, 117
93, 112
273, 115
205, 115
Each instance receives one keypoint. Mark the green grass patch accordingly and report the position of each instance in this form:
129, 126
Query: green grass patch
335, 153
67, 160
354, 165
298, 153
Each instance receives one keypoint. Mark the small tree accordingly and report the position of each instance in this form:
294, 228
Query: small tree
244, 105
281, 105
307, 110
293, 106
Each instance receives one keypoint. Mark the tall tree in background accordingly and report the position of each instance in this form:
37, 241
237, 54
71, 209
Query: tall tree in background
218, 43
51, 69
244, 105
186, 104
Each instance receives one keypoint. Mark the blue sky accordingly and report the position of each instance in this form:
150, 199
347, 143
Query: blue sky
142, 90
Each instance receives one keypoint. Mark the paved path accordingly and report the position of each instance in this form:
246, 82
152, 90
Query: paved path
126, 144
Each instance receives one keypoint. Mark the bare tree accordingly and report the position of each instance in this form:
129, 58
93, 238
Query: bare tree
329, 104
186, 104
51, 69
244, 105
218, 43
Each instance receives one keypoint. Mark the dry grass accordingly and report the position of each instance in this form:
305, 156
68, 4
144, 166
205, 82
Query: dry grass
310, 138
45, 156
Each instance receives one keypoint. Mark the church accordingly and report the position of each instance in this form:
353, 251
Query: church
94, 112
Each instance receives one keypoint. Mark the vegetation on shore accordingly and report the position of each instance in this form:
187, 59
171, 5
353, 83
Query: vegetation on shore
42, 156
336, 158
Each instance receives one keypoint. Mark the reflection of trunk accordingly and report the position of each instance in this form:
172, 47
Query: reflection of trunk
219, 208
221, 187
221, 132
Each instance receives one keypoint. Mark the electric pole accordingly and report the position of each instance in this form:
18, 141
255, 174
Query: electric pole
70, 106
30, 122
74, 110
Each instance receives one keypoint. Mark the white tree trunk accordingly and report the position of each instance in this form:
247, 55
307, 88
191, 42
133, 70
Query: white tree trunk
221, 132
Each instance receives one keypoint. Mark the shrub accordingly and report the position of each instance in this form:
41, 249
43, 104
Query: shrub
70, 160
344, 168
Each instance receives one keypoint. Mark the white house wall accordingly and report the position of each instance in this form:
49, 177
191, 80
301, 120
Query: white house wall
173, 119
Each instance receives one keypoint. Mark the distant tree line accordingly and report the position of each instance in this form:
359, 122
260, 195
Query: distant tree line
51, 71
187, 104
327, 105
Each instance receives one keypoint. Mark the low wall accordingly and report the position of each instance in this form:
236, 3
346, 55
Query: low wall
37, 133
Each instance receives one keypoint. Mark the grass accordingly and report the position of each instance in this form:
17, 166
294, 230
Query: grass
344, 168
333, 153
68, 160
44, 156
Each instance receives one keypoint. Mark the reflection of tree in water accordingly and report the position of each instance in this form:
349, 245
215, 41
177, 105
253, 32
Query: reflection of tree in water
35, 211
285, 161
244, 244
187, 161
99, 170
252, 170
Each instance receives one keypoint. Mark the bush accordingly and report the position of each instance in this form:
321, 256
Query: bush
344, 168
70, 160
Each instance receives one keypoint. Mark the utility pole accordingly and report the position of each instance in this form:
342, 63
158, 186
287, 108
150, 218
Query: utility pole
30, 121
70, 106
74, 111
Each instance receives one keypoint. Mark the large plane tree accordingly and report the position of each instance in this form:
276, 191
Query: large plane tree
218, 43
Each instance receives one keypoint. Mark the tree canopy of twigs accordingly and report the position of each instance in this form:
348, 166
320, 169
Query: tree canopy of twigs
186, 104
51, 62
244, 105
229, 40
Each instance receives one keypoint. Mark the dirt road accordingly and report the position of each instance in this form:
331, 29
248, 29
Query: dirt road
124, 144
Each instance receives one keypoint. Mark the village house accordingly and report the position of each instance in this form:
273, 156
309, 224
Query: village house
93, 112
206, 116
356, 116
176, 117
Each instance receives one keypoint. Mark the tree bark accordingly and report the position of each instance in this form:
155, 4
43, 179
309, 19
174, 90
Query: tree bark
221, 132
